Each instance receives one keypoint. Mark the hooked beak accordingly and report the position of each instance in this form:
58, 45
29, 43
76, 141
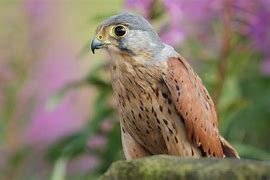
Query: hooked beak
96, 44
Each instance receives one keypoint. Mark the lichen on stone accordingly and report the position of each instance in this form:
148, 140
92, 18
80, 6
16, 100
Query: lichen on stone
170, 168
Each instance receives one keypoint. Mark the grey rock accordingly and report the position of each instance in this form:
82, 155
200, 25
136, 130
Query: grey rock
171, 168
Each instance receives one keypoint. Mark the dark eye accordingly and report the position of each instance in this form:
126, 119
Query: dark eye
120, 31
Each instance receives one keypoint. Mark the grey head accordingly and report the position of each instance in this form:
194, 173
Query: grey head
132, 34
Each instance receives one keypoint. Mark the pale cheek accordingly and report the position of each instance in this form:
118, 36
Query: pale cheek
137, 41
112, 49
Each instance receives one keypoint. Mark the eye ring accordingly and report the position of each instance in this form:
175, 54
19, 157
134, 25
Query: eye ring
119, 31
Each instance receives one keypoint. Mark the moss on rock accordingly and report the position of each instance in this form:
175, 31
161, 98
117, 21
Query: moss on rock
170, 168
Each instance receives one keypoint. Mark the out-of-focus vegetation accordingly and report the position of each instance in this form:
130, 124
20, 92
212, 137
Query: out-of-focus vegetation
48, 79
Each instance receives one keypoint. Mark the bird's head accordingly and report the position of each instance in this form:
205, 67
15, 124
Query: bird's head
127, 33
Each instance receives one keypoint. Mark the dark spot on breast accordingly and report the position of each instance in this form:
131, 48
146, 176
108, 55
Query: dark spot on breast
165, 121
170, 131
132, 114
140, 116
158, 121
169, 111
147, 131
123, 130
177, 87
169, 101
147, 116
176, 140
159, 127
192, 152
114, 67
141, 108
160, 108
156, 92
164, 95
133, 122
168, 138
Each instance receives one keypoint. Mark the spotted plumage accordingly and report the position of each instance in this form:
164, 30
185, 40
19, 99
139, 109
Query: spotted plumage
164, 107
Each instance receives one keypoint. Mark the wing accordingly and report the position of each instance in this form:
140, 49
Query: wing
195, 105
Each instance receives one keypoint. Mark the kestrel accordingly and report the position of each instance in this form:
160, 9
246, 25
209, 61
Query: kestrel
164, 106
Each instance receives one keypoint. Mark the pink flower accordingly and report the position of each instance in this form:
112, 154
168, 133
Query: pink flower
265, 66
143, 6
97, 142
106, 125
83, 163
173, 36
55, 67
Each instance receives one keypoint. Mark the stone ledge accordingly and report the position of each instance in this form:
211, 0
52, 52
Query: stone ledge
171, 168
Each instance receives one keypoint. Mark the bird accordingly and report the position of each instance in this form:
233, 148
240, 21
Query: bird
163, 104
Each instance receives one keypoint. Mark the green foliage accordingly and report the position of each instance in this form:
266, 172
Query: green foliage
76, 144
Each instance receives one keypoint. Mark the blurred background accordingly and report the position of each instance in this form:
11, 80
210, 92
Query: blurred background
58, 117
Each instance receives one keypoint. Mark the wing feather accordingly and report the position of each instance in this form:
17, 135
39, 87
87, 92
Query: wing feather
195, 105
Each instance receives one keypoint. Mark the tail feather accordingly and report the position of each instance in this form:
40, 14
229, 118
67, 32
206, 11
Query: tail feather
228, 150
